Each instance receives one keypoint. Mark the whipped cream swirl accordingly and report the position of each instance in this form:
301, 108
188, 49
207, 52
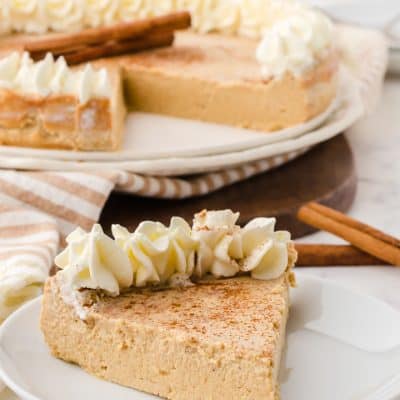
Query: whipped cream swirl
93, 260
255, 17
5, 22
212, 15
101, 12
158, 253
63, 15
40, 16
155, 254
131, 10
49, 77
265, 251
26, 15
219, 243
295, 44
225, 248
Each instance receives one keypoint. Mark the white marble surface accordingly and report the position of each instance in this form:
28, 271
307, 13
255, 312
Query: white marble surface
376, 144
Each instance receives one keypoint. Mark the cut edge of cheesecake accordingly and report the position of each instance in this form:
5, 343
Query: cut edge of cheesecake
215, 78
61, 121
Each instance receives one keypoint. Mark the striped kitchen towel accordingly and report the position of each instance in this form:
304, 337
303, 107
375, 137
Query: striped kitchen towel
29, 240
77, 198
39, 209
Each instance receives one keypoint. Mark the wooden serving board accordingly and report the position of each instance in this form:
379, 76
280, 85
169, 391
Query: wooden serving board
325, 174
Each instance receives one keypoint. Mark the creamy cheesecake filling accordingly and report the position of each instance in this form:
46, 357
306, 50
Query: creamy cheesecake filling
158, 255
226, 335
293, 36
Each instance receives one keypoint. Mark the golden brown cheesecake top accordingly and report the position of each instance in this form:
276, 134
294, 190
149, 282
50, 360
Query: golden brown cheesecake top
212, 56
243, 313
215, 57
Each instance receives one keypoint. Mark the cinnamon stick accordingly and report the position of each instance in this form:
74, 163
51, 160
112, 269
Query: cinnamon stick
362, 236
322, 255
116, 32
110, 49
353, 223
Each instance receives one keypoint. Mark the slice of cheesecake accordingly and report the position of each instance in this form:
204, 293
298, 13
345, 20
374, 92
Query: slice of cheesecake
47, 104
219, 339
216, 78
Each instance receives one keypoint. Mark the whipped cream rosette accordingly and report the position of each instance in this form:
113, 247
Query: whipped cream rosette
219, 243
295, 43
130, 10
39, 16
64, 15
9, 67
101, 12
212, 15
157, 253
26, 15
255, 16
5, 22
265, 251
95, 261
226, 249
146, 252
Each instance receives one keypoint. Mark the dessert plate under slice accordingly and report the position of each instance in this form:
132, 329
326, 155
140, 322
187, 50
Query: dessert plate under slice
341, 345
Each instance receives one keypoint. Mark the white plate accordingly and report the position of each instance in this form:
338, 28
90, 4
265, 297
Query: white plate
349, 109
151, 136
341, 346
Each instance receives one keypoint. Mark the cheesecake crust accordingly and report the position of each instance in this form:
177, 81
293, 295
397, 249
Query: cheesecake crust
61, 122
220, 339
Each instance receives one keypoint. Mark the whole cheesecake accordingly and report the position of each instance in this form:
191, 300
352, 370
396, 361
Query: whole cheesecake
262, 65
216, 78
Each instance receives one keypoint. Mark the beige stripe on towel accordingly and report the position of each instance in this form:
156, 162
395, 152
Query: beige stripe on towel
28, 245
